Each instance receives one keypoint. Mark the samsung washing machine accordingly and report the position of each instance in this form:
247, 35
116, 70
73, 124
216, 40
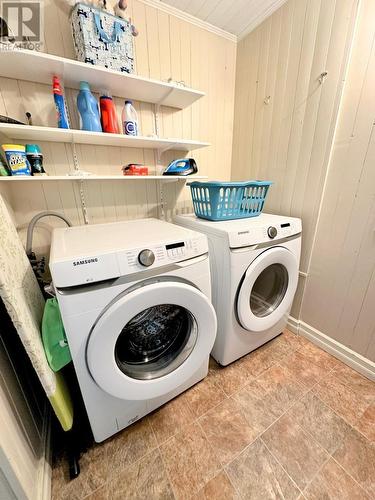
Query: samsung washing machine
254, 269
135, 302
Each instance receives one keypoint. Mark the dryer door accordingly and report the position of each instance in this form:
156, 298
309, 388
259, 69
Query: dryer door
151, 340
267, 290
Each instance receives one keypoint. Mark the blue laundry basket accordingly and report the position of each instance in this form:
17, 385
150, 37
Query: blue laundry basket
218, 201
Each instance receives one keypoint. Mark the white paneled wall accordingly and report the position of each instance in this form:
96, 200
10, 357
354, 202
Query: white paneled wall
340, 290
285, 120
166, 47
284, 116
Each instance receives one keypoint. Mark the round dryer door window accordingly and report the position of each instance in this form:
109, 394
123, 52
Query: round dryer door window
151, 339
267, 290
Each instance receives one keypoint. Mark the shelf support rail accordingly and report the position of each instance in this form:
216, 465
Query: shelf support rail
75, 156
83, 201
157, 119
162, 203
157, 111
80, 184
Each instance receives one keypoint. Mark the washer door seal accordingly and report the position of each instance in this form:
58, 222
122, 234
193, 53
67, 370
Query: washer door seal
137, 363
267, 289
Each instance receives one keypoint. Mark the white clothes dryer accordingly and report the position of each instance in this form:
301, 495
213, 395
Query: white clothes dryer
254, 270
135, 302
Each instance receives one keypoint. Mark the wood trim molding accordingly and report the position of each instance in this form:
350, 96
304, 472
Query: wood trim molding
44, 480
293, 325
359, 363
258, 20
158, 4
10, 482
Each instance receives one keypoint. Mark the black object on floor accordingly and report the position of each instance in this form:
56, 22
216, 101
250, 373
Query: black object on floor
73, 443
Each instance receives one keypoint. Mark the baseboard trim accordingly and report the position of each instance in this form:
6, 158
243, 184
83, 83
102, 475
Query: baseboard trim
293, 324
43, 488
341, 352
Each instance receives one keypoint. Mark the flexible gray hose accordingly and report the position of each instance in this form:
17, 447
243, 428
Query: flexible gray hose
34, 220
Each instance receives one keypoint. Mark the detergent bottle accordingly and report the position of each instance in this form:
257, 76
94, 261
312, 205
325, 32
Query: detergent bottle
60, 103
129, 119
108, 114
88, 109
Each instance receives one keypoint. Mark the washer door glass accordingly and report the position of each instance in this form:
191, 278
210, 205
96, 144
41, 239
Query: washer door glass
269, 290
151, 339
156, 341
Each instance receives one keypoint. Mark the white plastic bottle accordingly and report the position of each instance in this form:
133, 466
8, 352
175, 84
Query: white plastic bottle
129, 119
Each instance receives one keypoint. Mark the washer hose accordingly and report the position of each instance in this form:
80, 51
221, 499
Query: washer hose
34, 220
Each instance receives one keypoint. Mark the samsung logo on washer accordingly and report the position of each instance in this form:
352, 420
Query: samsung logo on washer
85, 261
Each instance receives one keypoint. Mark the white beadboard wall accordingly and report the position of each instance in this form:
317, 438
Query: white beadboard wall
317, 143
284, 117
166, 47
339, 298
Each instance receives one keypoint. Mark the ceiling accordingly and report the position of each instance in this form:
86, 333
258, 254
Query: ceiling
238, 18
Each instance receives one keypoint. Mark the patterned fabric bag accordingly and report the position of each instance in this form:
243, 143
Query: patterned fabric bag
100, 38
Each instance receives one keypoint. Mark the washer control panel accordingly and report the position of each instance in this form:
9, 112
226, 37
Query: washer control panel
161, 255
175, 250
99, 252
146, 258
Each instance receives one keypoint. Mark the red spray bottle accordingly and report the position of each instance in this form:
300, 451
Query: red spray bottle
108, 114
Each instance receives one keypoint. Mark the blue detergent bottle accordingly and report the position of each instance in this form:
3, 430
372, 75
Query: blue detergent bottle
88, 109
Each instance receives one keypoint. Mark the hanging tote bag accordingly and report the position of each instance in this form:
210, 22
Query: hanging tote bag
102, 39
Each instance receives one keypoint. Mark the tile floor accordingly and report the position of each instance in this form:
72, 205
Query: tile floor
286, 421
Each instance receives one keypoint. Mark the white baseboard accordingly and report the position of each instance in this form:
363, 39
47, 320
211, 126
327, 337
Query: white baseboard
43, 487
341, 352
293, 324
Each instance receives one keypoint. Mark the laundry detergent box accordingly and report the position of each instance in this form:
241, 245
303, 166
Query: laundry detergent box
16, 158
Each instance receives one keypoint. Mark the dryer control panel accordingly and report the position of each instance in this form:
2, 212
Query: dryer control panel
258, 233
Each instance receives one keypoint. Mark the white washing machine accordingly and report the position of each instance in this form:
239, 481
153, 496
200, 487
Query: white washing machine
254, 270
135, 301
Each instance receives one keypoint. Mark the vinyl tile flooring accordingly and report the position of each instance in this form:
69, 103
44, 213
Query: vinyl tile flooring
286, 421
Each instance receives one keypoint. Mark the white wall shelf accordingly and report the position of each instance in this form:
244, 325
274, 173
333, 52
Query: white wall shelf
50, 134
46, 178
39, 67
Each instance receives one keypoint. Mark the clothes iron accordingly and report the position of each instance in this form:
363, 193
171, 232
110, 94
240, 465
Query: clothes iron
183, 166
